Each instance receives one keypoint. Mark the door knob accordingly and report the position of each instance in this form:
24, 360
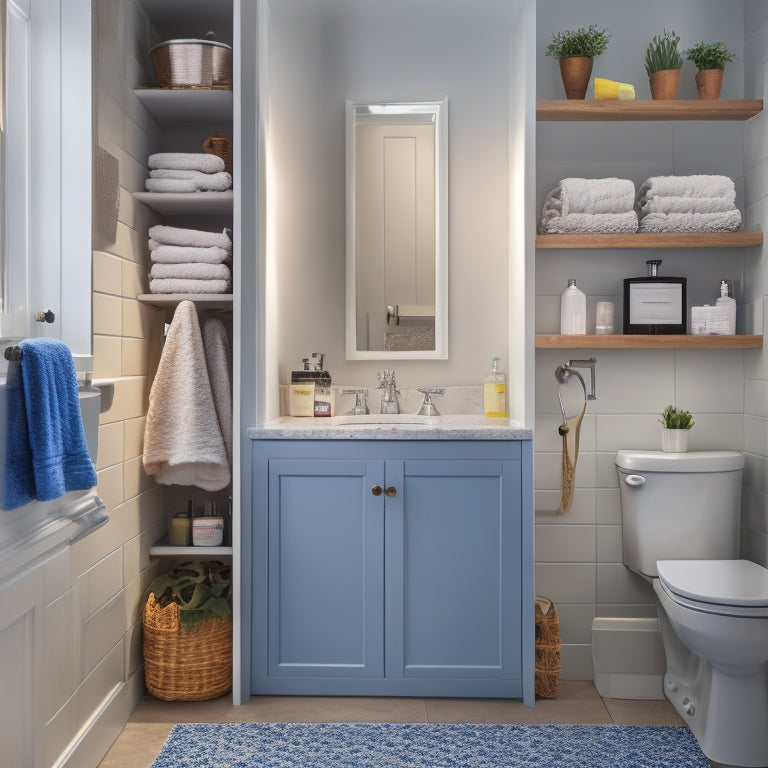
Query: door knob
390, 491
376, 490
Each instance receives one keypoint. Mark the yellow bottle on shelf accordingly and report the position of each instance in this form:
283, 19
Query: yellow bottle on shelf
495, 391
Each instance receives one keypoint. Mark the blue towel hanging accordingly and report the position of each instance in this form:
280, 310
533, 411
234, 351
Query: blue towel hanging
55, 459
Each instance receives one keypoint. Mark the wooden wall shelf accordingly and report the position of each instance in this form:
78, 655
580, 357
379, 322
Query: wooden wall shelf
642, 341
653, 240
674, 109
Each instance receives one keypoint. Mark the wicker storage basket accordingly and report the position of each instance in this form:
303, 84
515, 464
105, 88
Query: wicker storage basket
548, 645
192, 64
182, 663
218, 144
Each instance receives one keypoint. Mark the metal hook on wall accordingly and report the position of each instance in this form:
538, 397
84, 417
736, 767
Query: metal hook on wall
563, 374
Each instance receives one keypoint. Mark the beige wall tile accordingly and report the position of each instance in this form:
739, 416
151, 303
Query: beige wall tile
107, 273
134, 279
103, 631
135, 357
129, 400
133, 444
111, 444
134, 649
136, 551
138, 216
130, 244
107, 357
101, 583
140, 320
135, 480
107, 315
110, 486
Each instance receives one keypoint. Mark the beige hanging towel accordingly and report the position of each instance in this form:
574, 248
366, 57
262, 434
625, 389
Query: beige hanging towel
183, 444
570, 432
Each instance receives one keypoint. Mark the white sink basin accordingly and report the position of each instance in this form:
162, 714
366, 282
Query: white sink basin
385, 419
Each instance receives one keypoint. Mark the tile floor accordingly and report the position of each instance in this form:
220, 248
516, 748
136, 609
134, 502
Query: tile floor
577, 702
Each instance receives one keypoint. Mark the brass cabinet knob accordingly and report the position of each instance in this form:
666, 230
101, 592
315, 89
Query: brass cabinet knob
390, 491
376, 490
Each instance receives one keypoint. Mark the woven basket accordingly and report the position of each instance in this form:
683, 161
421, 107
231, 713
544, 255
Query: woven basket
218, 144
192, 64
185, 663
548, 645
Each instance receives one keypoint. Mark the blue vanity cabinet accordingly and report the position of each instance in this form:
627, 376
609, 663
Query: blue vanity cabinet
392, 568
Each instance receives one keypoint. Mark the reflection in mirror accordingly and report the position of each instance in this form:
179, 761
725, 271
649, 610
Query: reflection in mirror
397, 261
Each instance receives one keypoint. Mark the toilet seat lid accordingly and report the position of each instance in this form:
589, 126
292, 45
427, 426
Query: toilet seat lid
718, 582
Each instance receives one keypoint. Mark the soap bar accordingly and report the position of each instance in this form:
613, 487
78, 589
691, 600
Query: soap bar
710, 321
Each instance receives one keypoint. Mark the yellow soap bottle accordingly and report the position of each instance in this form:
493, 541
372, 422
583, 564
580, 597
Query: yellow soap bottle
495, 391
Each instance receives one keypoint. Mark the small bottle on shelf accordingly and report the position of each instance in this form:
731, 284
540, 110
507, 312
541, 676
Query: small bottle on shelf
725, 300
573, 311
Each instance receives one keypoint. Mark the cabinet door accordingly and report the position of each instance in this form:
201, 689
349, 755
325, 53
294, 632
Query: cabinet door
325, 572
453, 550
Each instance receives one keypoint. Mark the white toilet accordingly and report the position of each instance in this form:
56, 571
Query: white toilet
680, 529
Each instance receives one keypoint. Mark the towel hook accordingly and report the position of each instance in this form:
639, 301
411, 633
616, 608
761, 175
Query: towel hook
563, 374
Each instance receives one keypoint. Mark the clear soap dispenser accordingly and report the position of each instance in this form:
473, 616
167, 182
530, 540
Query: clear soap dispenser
726, 300
495, 391
573, 310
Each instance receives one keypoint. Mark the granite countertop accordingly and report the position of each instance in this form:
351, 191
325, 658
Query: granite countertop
394, 427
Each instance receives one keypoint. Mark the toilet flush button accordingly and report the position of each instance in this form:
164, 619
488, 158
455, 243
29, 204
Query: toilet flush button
634, 480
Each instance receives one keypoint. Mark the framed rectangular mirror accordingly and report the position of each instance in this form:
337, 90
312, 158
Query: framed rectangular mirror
397, 231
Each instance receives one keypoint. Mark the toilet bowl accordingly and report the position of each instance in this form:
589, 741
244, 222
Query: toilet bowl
718, 611
680, 516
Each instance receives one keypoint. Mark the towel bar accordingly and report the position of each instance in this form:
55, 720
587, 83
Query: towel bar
12, 353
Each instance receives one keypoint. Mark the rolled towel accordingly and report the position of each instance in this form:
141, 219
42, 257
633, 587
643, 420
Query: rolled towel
203, 182
196, 271
178, 285
590, 223
701, 185
675, 204
177, 236
721, 221
186, 254
576, 195
187, 161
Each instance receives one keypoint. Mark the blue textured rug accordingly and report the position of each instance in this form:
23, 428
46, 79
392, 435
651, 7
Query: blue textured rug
428, 745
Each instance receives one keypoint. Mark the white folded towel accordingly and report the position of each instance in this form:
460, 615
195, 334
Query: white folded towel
202, 182
186, 254
590, 223
176, 236
676, 204
183, 444
179, 285
218, 361
721, 221
701, 185
193, 271
576, 195
187, 161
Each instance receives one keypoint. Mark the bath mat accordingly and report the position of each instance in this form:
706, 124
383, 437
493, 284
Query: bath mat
428, 745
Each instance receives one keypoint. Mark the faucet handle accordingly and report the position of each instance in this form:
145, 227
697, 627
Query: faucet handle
361, 401
428, 408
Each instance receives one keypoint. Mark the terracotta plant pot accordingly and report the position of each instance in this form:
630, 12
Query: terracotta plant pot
709, 82
664, 83
576, 71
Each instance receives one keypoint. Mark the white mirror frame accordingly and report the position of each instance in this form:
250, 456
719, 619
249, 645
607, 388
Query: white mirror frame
440, 111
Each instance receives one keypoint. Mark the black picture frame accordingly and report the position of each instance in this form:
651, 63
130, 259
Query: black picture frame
655, 305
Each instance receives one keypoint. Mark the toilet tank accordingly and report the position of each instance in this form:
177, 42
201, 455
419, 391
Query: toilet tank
679, 506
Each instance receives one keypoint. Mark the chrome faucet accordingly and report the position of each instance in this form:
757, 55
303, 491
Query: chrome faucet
428, 408
361, 401
389, 392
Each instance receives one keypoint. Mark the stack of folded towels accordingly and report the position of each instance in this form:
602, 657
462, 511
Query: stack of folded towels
189, 261
596, 206
688, 204
187, 172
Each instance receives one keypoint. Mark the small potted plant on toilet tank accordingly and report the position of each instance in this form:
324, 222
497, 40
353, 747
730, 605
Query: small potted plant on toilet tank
675, 423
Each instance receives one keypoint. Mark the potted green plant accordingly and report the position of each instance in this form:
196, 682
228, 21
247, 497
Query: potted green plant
710, 60
675, 424
576, 50
663, 61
